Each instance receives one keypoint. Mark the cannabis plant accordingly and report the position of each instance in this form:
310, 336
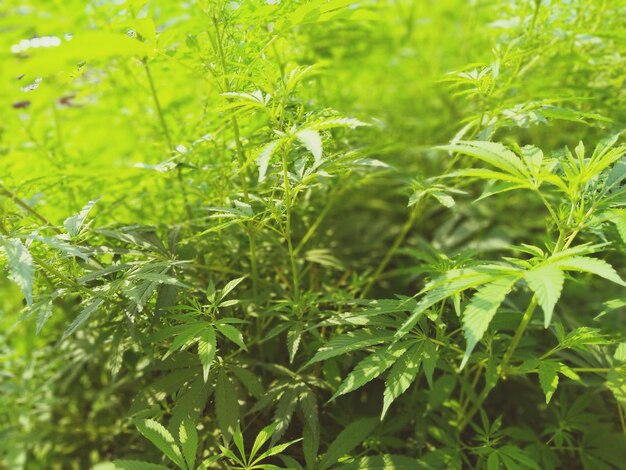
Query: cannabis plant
312, 234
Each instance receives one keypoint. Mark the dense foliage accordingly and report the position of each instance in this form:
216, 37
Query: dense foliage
317, 234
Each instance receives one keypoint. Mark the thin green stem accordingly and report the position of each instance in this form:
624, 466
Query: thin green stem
241, 156
528, 314
26, 207
292, 256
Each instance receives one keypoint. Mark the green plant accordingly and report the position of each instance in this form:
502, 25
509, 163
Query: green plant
234, 236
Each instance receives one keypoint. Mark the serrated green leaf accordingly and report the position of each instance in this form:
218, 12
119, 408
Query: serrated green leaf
20, 265
402, 375
190, 402
369, 368
549, 378
616, 383
261, 438
294, 337
349, 342
429, 360
480, 311
162, 440
188, 438
618, 217
353, 435
74, 223
493, 153
226, 406
249, 380
311, 429
275, 450
206, 350
546, 282
284, 411
312, 140
230, 285
232, 334
447, 285
264, 157
596, 266
89, 309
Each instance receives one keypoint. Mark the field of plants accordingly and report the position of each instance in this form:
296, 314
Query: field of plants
312, 234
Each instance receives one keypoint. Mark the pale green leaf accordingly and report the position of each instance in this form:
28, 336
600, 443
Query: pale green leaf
232, 334
481, 310
493, 153
206, 350
549, 378
402, 375
312, 140
447, 285
370, 367
264, 157
74, 223
20, 266
546, 282
596, 266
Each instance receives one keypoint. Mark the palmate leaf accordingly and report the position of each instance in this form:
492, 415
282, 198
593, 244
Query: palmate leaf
546, 282
402, 375
481, 310
74, 223
162, 439
262, 437
353, 435
20, 266
449, 284
371, 367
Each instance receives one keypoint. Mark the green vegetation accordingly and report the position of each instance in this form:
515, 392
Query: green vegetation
312, 234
